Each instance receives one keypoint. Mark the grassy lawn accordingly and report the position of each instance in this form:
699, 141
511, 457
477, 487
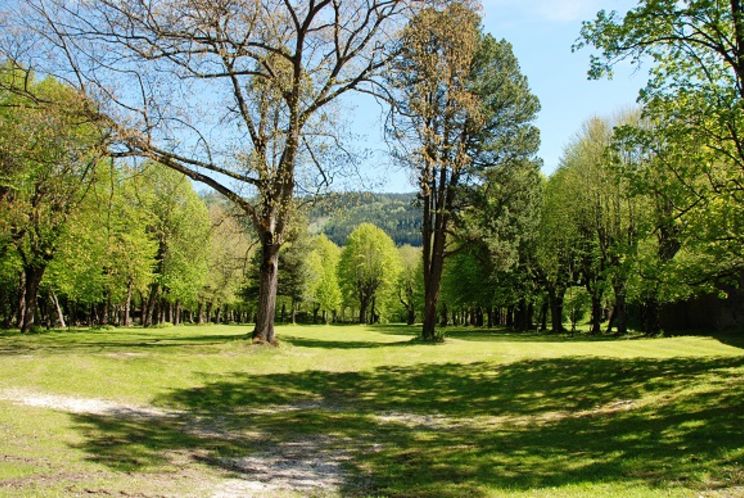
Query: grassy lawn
362, 411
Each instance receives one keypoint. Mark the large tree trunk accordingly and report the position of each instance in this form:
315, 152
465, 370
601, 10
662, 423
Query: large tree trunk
556, 310
363, 304
200, 313
596, 315
267, 288
411, 317
33, 275
544, 315
444, 320
150, 312
431, 289
651, 324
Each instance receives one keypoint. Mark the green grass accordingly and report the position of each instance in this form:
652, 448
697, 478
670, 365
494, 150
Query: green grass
484, 414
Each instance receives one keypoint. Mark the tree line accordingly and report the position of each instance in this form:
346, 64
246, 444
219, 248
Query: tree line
645, 208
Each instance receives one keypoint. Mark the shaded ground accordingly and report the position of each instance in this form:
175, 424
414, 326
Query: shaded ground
374, 415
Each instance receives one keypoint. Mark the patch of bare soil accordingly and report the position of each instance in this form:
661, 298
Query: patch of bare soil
73, 404
307, 467
303, 467
415, 420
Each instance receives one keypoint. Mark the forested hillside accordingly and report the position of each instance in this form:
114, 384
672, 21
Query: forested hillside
397, 214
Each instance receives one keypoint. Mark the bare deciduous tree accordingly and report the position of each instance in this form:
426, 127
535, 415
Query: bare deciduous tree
232, 93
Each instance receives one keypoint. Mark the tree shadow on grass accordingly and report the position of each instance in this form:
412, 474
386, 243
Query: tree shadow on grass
109, 341
501, 334
319, 342
520, 426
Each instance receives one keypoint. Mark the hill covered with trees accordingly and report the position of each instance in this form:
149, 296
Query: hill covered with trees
398, 215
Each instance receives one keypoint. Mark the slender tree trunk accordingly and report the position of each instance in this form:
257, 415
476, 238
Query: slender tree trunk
128, 306
94, 316
105, 320
267, 288
737, 13
21, 308
431, 294
58, 309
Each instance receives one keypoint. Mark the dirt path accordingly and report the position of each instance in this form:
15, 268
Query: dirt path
73, 404
299, 467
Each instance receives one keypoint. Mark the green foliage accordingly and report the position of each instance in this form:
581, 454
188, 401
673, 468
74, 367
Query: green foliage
576, 305
49, 157
410, 283
322, 288
468, 278
178, 220
368, 270
106, 250
690, 143
230, 251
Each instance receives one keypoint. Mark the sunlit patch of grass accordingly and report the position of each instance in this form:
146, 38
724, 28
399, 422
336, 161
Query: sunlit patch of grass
487, 413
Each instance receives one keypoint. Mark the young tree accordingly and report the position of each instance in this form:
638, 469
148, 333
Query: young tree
461, 106
577, 303
322, 288
556, 250
368, 270
166, 73
410, 282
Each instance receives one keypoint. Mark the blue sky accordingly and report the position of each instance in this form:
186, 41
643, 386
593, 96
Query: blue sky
541, 32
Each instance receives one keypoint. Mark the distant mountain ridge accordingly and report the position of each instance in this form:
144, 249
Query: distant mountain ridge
336, 215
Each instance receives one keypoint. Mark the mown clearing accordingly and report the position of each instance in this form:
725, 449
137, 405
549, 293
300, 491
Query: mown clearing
362, 411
